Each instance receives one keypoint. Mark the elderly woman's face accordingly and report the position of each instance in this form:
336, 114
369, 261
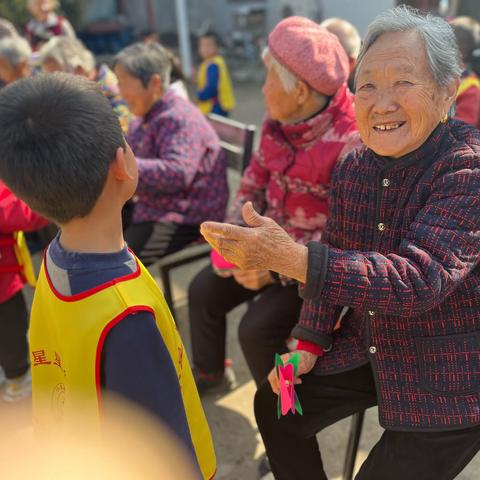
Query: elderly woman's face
279, 104
139, 99
398, 104
10, 74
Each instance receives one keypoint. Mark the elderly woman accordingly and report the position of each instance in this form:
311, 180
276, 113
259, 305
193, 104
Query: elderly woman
64, 54
310, 124
45, 23
182, 170
401, 251
15, 57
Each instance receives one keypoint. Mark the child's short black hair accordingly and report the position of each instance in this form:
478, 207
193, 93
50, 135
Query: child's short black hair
58, 137
210, 34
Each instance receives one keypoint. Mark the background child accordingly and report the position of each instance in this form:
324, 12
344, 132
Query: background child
99, 322
15, 216
215, 91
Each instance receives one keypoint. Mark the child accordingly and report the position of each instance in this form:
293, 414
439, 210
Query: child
215, 91
15, 217
99, 322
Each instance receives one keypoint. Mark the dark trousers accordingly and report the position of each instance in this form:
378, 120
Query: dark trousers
293, 450
263, 329
13, 336
150, 240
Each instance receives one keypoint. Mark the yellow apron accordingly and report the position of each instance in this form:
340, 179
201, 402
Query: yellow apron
24, 259
468, 82
66, 340
226, 98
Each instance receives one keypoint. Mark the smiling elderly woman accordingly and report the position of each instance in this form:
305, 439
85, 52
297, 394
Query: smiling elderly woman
401, 250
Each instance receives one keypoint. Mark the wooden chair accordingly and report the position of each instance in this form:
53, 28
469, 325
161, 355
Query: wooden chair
236, 139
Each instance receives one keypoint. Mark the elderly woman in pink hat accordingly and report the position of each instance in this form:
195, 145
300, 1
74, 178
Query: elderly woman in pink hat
308, 127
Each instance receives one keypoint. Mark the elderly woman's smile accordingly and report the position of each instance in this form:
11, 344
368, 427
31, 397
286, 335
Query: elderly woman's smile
388, 127
398, 102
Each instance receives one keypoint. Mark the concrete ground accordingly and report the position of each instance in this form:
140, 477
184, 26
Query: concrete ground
236, 436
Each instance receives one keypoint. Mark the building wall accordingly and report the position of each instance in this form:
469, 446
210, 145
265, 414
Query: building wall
220, 14
360, 13
100, 10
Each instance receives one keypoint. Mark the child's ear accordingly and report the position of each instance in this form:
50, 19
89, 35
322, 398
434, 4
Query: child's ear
121, 167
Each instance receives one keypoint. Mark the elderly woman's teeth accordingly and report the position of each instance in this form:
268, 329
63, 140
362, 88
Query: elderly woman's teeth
391, 126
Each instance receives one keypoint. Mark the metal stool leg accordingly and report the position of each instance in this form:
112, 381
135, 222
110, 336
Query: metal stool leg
352, 446
167, 289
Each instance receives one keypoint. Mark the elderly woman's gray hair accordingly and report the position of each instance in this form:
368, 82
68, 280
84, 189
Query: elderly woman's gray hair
142, 61
288, 79
440, 45
7, 29
346, 33
69, 53
15, 50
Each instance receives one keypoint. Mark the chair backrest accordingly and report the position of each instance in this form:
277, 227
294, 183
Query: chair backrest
236, 139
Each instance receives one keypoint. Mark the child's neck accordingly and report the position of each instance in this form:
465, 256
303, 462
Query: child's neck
93, 234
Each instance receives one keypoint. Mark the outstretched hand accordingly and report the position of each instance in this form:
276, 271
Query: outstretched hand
261, 245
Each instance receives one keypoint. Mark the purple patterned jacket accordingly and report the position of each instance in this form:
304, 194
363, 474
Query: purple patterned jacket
401, 249
182, 169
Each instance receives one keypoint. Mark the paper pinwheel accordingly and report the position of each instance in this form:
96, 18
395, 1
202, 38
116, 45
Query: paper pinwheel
286, 372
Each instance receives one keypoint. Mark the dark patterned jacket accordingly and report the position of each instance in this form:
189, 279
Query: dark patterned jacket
402, 250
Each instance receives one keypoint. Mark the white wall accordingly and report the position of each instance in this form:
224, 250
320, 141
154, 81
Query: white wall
358, 12
100, 9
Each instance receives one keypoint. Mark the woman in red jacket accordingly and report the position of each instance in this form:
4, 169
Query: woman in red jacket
310, 124
15, 216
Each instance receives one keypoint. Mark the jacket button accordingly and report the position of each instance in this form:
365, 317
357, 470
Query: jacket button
381, 227
371, 313
386, 182
372, 350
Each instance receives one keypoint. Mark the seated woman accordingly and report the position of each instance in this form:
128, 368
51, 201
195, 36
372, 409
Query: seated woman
402, 250
64, 54
182, 170
310, 125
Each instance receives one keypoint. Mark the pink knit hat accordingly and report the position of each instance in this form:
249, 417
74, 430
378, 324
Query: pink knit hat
311, 53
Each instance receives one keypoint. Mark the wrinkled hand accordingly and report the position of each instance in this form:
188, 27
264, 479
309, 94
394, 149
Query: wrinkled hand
306, 363
253, 279
262, 245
